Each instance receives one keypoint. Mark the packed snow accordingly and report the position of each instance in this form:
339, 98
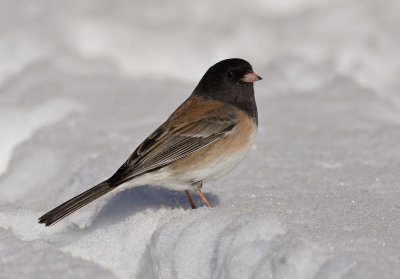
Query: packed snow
82, 83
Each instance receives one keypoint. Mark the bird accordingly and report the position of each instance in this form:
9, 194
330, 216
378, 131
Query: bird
201, 141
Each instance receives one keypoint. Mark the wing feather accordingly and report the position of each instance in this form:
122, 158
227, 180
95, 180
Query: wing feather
164, 146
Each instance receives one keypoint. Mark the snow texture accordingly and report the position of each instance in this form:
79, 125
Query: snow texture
82, 83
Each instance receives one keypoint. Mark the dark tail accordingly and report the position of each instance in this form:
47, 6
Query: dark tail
68, 207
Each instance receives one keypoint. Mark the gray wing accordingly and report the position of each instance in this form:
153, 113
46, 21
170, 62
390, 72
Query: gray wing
164, 146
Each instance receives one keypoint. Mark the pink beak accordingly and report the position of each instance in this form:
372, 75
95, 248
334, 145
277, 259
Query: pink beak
251, 77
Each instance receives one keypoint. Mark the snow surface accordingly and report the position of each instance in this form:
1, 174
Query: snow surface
318, 196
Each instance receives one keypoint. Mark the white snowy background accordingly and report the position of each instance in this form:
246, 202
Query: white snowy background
82, 83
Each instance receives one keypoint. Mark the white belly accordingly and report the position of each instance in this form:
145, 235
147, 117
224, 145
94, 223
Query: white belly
211, 172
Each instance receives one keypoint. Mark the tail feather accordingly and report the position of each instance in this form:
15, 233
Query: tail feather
70, 206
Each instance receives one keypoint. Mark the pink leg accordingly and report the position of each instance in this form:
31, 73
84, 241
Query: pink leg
208, 204
190, 199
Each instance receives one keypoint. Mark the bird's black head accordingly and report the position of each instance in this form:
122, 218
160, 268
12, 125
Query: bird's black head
230, 81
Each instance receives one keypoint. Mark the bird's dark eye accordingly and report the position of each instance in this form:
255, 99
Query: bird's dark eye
230, 74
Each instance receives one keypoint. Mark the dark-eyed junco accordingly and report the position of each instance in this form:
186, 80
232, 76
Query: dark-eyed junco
205, 138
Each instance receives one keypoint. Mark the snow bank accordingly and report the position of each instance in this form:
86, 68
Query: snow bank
316, 197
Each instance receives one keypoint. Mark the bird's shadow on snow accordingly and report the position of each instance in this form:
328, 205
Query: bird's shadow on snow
130, 201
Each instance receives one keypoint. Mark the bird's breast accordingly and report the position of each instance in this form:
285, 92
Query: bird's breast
218, 158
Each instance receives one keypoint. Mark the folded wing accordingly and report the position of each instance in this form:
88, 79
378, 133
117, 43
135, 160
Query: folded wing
164, 146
